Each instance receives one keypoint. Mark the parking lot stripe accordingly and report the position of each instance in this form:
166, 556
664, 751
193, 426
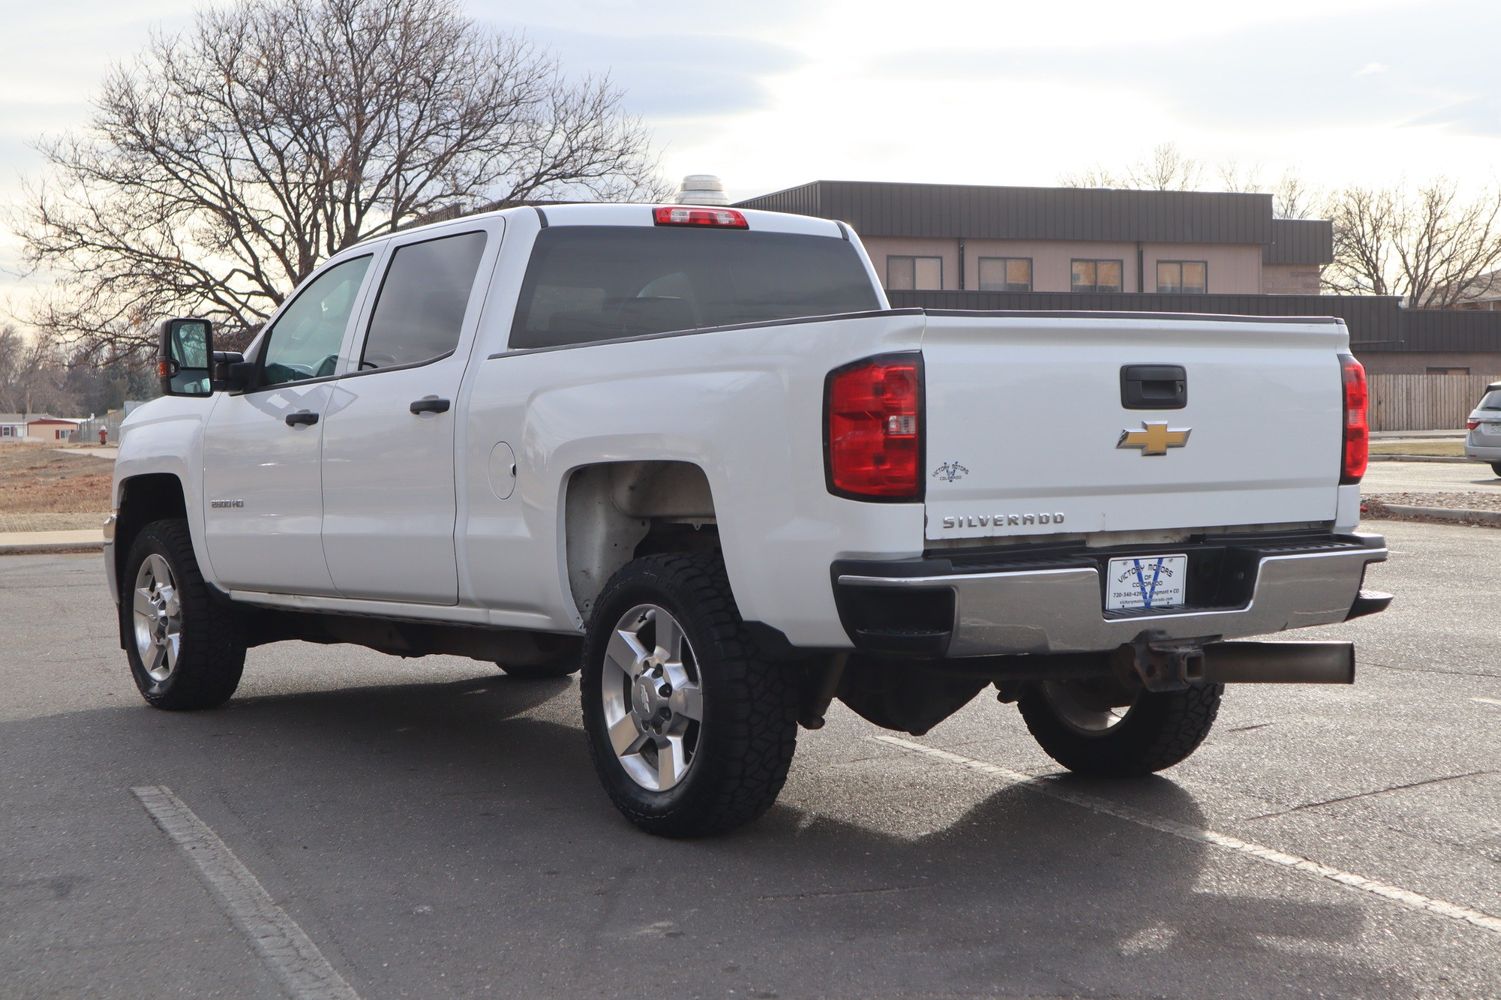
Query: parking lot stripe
1487, 701
287, 951
1293, 862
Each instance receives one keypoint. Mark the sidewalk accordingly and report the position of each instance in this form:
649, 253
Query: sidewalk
1414, 435
23, 542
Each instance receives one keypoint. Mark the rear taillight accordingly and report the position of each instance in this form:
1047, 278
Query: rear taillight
1471, 424
681, 215
873, 428
1357, 433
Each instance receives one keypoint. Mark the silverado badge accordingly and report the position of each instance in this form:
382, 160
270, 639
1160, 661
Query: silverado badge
1154, 438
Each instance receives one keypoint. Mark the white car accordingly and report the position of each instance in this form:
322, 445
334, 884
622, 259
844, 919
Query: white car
694, 453
1483, 442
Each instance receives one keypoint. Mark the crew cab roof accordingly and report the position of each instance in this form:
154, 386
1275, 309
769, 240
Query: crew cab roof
641, 215
597, 214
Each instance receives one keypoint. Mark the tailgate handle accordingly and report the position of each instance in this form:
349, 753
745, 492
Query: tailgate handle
1154, 387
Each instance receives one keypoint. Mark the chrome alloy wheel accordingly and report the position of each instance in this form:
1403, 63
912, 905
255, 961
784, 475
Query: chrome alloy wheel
158, 618
653, 705
1085, 708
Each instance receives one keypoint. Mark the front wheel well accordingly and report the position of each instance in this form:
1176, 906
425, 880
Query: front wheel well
144, 499
618, 511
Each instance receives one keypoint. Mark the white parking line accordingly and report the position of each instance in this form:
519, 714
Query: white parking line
286, 950
1293, 862
1488, 701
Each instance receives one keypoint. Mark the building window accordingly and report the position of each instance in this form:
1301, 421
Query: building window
1005, 274
908, 273
1447, 370
1188, 277
1095, 276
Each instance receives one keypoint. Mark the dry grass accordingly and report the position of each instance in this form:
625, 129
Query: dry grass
40, 479
1446, 447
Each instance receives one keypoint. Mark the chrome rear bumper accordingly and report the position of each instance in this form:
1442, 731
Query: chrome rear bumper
1059, 608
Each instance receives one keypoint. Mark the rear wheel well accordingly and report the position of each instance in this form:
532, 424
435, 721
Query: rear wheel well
618, 511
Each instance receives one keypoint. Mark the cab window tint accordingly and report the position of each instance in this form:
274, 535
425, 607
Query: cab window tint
304, 341
419, 310
590, 283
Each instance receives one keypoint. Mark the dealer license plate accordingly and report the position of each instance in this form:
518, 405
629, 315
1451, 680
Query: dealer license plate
1147, 582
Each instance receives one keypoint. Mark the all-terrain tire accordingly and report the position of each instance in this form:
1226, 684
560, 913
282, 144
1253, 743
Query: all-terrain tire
748, 733
211, 654
1160, 729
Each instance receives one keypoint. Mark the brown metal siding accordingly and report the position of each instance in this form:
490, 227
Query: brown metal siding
1014, 213
956, 211
1300, 241
1376, 323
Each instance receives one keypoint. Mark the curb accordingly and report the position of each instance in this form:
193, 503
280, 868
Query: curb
1424, 458
48, 548
54, 545
1486, 518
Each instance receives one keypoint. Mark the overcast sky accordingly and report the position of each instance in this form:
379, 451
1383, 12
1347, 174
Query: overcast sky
771, 93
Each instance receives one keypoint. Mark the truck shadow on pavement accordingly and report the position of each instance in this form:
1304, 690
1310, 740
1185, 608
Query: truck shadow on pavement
419, 827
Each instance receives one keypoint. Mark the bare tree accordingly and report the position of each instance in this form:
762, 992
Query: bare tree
1091, 177
1291, 198
1236, 177
224, 163
1165, 168
1433, 247
33, 374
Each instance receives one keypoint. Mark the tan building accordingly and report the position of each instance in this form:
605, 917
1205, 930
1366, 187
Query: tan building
932, 237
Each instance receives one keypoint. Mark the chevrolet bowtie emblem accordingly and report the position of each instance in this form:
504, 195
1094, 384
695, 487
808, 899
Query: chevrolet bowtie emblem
1154, 438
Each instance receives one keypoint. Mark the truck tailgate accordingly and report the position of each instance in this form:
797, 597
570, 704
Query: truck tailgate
1029, 432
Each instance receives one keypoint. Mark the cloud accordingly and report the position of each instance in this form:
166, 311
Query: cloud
1275, 76
676, 75
710, 64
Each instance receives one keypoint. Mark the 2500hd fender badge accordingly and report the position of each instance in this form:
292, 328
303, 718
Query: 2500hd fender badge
1000, 520
226, 504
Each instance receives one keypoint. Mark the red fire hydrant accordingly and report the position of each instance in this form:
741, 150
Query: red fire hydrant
104, 435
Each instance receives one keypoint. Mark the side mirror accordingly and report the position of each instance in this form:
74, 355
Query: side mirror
184, 357
232, 373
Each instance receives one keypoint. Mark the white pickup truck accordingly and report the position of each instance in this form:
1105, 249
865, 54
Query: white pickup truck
693, 453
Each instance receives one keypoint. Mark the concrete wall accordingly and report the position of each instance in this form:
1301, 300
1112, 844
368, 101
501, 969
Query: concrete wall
881, 247
1051, 260
1233, 268
1290, 279
1419, 362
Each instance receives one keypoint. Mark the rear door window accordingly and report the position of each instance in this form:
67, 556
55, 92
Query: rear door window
419, 310
592, 283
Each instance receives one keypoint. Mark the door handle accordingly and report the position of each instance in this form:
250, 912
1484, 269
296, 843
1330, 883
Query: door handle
429, 404
305, 418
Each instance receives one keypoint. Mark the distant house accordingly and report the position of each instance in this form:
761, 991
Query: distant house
1482, 293
45, 428
12, 427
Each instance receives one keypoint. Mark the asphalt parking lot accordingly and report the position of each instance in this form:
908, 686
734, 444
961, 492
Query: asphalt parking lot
1430, 477
435, 830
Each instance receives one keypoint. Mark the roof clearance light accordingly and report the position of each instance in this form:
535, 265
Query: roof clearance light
682, 215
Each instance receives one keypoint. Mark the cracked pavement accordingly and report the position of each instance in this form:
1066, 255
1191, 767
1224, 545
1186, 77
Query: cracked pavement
436, 830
